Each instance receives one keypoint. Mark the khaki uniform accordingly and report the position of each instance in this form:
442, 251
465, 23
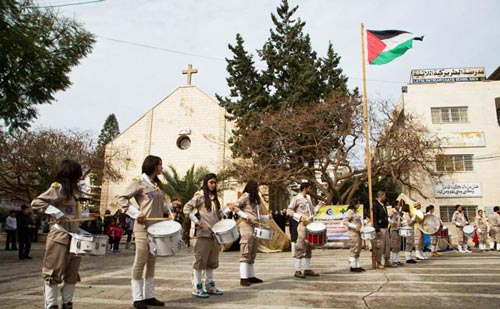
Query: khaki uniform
410, 240
481, 228
494, 220
419, 237
302, 206
58, 264
151, 202
395, 217
459, 220
206, 248
248, 242
354, 218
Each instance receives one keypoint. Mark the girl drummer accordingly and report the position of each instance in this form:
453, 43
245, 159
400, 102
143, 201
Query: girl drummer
206, 248
59, 264
247, 208
354, 223
429, 210
410, 240
146, 192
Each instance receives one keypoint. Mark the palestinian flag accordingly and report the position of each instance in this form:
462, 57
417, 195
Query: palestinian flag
386, 45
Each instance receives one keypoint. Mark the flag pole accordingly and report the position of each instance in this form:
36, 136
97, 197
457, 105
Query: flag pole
367, 141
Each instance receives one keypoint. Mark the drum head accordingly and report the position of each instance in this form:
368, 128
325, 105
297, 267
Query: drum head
431, 224
316, 227
223, 226
164, 228
468, 229
368, 229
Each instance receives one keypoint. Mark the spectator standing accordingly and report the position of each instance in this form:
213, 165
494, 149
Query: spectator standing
129, 228
25, 232
38, 223
11, 229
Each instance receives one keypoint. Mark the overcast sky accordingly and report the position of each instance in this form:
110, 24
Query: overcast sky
128, 80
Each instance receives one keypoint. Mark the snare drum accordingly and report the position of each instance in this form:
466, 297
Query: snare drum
368, 233
263, 232
406, 231
164, 238
226, 231
88, 244
316, 233
469, 231
443, 233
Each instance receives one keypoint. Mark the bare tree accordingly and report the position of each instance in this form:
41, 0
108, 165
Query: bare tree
323, 143
29, 160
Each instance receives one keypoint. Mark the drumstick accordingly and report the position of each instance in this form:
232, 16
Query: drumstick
74, 220
157, 219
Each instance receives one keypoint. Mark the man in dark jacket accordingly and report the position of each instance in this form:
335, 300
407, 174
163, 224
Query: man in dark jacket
25, 232
381, 223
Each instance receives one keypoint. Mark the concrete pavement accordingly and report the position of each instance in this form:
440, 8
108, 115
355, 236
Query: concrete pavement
451, 281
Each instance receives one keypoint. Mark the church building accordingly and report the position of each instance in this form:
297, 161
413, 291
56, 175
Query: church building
187, 127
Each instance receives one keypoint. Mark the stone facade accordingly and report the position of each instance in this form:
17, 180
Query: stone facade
187, 117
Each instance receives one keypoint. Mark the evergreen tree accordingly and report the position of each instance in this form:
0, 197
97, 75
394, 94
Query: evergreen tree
109, 131
38, 50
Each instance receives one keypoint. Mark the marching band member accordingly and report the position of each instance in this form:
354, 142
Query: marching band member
247, 208
419, 235
494, 219
206, 249
395, 221
381, 224
59, 264
408, 220
429, 210
147, 194
482, 227
354, 222
459, 220
302, 210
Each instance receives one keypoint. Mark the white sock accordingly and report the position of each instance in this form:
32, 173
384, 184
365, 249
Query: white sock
209, 275
297, 264
307, 263
196, 277
251, 271
244, 270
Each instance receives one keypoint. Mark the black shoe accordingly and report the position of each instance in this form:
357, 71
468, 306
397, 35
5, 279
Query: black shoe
22, 258
244, 282
255, 280
140, 304
68, 306
355, 270
14, 249
412, 261
54, 307
362, 269
28, 257
154, 302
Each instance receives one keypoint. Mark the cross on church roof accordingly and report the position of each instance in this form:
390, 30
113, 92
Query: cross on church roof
190, 71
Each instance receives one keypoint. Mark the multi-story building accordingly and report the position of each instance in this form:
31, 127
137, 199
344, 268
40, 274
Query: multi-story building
462, 108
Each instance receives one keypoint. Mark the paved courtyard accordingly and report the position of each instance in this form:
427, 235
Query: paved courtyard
451, 281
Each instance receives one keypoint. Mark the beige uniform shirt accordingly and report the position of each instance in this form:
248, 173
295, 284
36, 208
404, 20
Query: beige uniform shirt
482, 223
353, 217
458, 218
494, 219
54, 196
148, 196
395, 217
208, 218
243, 203
302, 205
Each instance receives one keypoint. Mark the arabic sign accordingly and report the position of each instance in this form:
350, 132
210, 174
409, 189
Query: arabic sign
458, 189
462, 139
447, 75
332, 217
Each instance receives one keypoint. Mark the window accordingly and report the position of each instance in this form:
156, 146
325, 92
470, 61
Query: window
183, 142
454, 163
446, 212
456, 114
